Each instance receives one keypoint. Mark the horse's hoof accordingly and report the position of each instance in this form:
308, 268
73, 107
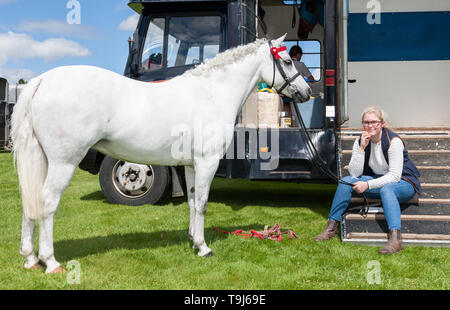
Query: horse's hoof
35, 266
57, 270
205, 253
32, 262
209, 254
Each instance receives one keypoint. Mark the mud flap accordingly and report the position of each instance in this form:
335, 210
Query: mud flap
177, 182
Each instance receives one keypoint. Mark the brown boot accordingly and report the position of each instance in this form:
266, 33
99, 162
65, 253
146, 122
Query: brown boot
394, 243
329, 232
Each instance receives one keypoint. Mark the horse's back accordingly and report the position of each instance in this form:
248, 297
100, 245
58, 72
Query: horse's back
85, 106
73, 105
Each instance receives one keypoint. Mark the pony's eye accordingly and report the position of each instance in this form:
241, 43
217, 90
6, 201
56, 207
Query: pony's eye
287, 61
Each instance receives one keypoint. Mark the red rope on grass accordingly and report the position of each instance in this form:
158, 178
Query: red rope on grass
274, 233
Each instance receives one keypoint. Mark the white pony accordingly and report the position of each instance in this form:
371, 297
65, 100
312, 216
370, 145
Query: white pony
65, 111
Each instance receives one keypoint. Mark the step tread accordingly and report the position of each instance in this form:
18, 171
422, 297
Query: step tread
346, 167
405, 236
433, 167
435, 185
406, 242
404, 129
415, 152
403, 217
412, 201
352, 137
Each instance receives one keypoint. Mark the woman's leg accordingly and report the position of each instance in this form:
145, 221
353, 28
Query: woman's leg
343, 195
340, 203
391, 196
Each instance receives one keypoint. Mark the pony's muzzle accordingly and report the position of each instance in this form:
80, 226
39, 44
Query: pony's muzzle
297, 95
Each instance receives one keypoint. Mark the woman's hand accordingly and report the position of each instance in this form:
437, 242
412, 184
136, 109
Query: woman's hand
360, 187
364, 140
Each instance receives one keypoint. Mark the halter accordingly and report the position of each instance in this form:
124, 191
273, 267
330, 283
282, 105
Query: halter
276, 62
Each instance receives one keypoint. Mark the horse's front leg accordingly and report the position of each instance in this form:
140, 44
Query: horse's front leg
27, 243
204, 174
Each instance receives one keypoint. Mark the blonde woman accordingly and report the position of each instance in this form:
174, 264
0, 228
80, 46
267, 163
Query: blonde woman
380, 168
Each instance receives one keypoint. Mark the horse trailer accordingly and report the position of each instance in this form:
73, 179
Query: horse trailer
339, 40
7, 101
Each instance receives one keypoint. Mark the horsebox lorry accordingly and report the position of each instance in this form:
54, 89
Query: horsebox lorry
171, 37
8, 98
390, 53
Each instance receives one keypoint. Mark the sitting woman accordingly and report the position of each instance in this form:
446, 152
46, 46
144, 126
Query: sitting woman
380, 168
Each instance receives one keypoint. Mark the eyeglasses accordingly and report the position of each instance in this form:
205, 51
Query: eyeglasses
373, 123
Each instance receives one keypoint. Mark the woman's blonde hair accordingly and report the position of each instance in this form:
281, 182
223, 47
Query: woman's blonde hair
379, 112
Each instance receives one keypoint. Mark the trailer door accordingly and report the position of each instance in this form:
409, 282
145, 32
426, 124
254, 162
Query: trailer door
342, 63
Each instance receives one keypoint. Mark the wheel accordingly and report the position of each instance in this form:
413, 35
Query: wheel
132, 184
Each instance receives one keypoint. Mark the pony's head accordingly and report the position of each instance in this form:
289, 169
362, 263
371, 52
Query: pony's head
279, 72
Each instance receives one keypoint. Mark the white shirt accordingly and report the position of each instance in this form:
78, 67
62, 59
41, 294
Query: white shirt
391, 173
302, 68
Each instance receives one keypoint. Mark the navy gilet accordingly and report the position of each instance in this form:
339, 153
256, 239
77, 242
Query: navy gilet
409, 173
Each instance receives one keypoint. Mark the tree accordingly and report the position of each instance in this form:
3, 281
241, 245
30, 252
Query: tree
21, 81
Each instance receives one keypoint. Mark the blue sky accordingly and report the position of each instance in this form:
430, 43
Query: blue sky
36, 36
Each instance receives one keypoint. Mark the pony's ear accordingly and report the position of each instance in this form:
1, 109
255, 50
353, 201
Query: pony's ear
280, 40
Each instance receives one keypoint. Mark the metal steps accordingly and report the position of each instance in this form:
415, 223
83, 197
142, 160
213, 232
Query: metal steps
425, 219
419, 157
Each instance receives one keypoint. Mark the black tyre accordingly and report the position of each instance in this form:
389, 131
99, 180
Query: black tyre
132, 184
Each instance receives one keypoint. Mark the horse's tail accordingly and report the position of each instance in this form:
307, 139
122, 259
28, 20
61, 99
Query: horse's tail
29, 156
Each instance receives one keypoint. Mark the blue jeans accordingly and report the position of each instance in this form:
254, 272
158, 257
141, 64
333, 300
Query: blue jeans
391, 196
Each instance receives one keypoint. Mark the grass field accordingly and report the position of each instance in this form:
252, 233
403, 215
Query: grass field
147, 247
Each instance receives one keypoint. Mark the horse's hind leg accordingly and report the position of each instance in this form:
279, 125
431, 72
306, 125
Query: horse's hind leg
27, 243
58, 178
190, 187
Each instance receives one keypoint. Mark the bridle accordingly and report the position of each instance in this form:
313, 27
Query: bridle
277, 62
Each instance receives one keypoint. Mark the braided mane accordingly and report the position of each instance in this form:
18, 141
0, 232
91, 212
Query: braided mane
226, 57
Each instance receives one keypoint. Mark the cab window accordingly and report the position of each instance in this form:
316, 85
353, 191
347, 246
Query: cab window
174, 41
152, 52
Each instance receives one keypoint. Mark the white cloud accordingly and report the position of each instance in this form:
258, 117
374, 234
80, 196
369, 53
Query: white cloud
14, 75
130, 23
58, 27
6, 1
17, 46
121, 6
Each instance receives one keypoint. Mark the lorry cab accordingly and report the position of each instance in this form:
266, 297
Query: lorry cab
174, 36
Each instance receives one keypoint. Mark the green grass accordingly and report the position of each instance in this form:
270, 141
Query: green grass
147, 247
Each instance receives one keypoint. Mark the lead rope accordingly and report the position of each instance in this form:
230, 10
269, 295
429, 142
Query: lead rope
273, 233
317, 160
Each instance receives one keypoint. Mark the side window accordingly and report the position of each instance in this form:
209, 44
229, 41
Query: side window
248, 28
152, 53
192, 39
311, 56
